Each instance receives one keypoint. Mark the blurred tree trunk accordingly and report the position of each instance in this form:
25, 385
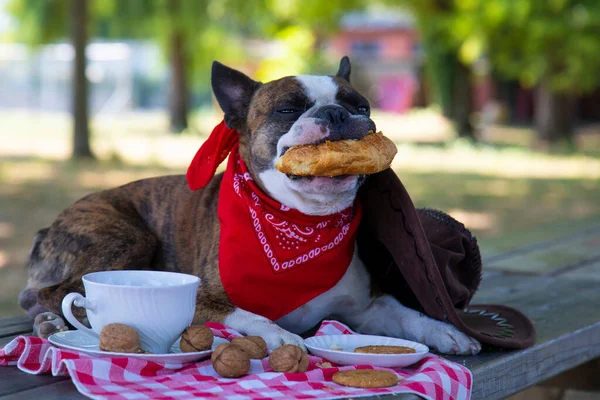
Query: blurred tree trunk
462, 100
450, 78
440, 71
505, 93
178, 96
554, 115
178, 92
451, 85
81, 132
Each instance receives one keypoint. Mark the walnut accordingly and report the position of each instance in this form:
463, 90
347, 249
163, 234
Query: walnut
255, 346
288, 358
196, 338
119, 338
230, 361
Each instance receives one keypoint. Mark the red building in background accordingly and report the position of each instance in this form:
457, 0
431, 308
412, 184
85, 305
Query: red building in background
387, 65
386, 57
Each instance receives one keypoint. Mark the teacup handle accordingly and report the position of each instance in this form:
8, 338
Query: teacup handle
79, 301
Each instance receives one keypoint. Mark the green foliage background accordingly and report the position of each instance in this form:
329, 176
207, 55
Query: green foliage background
212, 29
551, 42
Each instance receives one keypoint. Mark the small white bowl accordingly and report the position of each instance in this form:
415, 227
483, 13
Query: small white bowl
321, 346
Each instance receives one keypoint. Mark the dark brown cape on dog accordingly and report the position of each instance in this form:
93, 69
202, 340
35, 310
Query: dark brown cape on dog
431, 263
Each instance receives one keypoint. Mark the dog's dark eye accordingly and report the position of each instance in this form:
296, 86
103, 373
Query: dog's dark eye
287, 111
363, 109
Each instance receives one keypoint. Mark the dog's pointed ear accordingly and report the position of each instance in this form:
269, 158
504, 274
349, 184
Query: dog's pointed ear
344, 70
233, 91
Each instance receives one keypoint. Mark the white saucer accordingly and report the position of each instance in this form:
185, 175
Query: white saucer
321, 346
86, 344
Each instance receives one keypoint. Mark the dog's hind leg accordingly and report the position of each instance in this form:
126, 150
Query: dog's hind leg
45, 323
91, 235
28, 297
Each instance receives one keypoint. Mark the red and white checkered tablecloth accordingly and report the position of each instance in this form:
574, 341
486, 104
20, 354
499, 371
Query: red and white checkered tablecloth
130, 378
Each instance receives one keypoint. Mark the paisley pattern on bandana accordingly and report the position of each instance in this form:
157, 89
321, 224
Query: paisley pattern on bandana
287, 244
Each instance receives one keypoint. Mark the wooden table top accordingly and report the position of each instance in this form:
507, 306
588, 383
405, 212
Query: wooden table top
555, 282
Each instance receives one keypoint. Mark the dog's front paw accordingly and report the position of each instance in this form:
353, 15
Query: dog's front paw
446, 339
276, 336
47, 323
252, 324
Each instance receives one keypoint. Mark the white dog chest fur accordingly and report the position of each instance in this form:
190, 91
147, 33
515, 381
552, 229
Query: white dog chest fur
351, 295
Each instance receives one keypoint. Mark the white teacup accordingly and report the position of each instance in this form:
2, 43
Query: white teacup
160, 305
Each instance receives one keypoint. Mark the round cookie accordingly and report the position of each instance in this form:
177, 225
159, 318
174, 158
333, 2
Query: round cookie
385, 350
365, 378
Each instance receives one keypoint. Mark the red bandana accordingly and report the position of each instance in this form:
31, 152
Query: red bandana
272, 259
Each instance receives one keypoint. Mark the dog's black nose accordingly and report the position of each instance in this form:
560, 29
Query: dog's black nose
334, 114
341, 124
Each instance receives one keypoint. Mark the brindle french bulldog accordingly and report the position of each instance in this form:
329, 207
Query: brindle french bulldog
161, 224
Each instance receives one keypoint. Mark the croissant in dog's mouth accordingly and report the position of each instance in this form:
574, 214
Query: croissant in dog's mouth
369, 155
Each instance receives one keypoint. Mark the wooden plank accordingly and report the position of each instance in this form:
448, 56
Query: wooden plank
15, 325
575, 266
513, 373
13, 380
567, 319
556, 305
584, 377
60, 390
580, 395
575, 297
541, 236
495, 286
8, 339
590, 271
566, 253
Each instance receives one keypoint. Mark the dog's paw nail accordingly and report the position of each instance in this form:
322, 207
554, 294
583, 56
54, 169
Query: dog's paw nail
454, 349
475, 347
46, 329
278, 337
43, 317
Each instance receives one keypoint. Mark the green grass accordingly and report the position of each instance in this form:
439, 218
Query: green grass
507, 194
